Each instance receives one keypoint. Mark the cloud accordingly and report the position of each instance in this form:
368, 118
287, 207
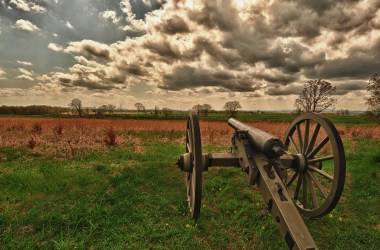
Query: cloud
278, 90
111, 15
26, 25
68, 25
216, 48
55, 47
2, 74
25, 63
350, 86
172, 25
27, 5
25, 77
26, 72
188, 77
89, 47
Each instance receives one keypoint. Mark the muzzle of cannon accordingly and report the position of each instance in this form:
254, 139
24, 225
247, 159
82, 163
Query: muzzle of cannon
303, 173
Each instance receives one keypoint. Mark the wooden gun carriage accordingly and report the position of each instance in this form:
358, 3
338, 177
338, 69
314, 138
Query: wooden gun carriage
305, 172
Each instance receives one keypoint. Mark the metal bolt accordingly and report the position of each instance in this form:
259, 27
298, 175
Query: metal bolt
246, 169
270, 204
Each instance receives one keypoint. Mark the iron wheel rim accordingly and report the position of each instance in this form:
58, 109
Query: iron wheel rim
194, 177
312, 178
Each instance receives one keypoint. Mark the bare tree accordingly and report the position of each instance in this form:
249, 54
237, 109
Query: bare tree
374, 100
101, 110
206, 108
156, 111
232, 107
121, 104
166, 112
111, 108
316, 96
139, 106
76, 105
197, 108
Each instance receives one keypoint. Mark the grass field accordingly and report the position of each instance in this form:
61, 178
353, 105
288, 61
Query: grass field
113, 184
346, 120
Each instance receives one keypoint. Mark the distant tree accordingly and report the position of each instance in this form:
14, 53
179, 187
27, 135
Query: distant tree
111, 108
206, 108
101, 110
316, 96
76, 105
232, 107
87, 111
121, 104
156, 111
197, 108
166, 112
139, 106
373, 101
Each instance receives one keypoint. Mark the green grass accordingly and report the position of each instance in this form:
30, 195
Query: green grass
124, 200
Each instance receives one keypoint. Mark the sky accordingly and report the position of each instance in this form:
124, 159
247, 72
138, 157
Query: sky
177, 54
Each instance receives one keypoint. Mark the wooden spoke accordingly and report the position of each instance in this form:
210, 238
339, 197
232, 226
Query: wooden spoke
298, 187
299, 135
306, 138
304, 191
292, 179
326, 158
312, 192
319, 186
294, 144
321, 172
313, 138
318, 147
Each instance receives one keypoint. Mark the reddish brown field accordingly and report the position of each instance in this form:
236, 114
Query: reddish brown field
64, 137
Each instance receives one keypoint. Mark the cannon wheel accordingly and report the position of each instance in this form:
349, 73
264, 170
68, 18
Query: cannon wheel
317, 185
194, 177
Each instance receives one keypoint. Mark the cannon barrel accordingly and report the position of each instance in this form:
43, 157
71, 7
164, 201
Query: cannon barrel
265, 142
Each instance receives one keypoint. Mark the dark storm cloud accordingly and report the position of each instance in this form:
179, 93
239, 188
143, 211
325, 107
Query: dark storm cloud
350, 86
355, 67
133, 68
212, 15
226, 56
163, 48
283, 90
89, 47
92, 85
275, 77
189, 77
173, 25
98, 52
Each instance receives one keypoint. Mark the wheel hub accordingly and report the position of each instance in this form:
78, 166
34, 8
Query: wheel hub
185, 162
301, 162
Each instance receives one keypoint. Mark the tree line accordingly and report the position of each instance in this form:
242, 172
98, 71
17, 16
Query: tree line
32, 110
316, 96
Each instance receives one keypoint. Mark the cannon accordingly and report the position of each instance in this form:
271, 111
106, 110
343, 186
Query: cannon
303, 173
